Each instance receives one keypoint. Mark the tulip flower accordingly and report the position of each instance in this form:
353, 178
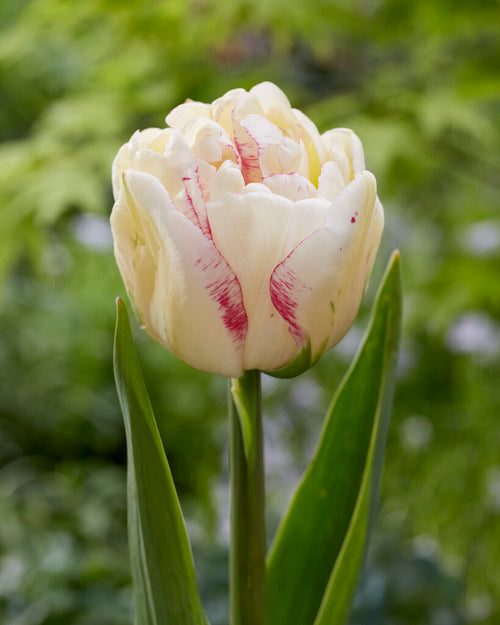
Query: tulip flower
245, 237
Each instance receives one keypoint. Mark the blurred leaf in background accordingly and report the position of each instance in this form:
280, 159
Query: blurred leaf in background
419, 83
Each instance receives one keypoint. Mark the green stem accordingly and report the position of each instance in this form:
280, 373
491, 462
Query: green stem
247, 566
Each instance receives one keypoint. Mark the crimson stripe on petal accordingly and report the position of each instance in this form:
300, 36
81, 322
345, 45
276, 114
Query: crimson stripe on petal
285, 289
193, 195
224, 288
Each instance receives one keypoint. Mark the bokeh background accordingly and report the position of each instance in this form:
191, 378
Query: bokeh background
419, 82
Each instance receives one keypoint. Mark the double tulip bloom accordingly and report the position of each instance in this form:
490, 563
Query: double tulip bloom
244, 237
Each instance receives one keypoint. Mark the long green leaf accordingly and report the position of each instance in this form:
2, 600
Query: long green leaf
163, 573
315, 560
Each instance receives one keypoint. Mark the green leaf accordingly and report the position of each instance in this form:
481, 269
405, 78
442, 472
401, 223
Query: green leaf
316, 557
163, 573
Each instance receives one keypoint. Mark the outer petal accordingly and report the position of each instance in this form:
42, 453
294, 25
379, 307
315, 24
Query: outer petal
185, 293
318, 287
255, 232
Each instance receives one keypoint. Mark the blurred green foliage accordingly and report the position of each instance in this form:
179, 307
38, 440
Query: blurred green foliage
419, 83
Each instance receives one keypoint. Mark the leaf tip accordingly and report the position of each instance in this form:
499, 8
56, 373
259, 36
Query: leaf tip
395, 257
121, 309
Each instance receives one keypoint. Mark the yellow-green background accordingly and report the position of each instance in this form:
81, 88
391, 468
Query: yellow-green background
419, 82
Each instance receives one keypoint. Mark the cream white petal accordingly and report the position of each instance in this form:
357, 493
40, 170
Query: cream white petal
184, 291
340, 158
246, 104
331, 181
222, 108
228, 179
207, 140
270, 97
318, 287
255, 232
256, 187
289, 154
303, 167
275, 105
357, 154
375, 229
187, 111
347, 141
151, 138
120, 164
254, 135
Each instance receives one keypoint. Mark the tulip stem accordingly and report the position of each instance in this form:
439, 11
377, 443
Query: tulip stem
247, 566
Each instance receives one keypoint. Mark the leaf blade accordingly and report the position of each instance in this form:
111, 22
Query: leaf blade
163, 573
312, 536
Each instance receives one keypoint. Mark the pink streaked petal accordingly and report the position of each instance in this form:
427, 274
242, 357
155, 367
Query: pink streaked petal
256, 139
292, 186
318, 287
285, 290
193, 288
254, 231
187, 193
223, 288
193, 197
206, 175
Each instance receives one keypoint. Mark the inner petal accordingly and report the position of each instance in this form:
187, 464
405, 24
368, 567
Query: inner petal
331, 181
292, 186
256, 139
208, 141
